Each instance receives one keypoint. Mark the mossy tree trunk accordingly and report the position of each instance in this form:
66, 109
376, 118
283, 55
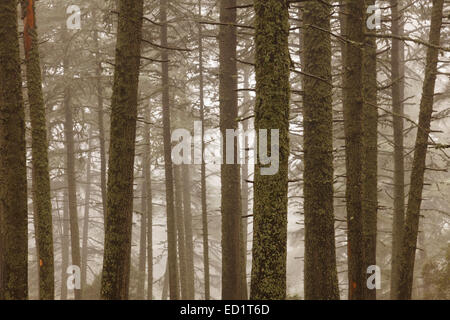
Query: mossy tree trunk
116, 261
398, 86
42, 208
353, 111
13, 175
409, 243
370, 154
230, 173
321, 280
268, 279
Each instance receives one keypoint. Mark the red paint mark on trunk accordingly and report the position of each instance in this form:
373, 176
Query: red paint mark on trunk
29, 24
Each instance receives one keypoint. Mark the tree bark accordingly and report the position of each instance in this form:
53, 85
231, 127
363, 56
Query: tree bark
353, 110
321, 280
187, 214
180, 231
87, 199
42, 208
71, 179
370, 155
230, 173
408, 249
268, 279
202, 166
116, 261
397, 62
13, 175
171, 221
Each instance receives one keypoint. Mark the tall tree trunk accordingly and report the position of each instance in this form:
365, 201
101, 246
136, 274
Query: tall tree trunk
65, 245
370, 155
353, 107
101, 128
149, 205
408, 250
42, 207
142, 240
71, 179
188, 232
202, 166
180, 231
398, 87
87, 199
230, 180
116, 261
245, 191
321, 280
268, 280
171, 223
13, 175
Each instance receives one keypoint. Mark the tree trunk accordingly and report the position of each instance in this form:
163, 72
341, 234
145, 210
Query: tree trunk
116, 261
142, 240
245, 191
268, 279
65, 245
71, 179
353, 107
370, 155
180, 231
13, 175
87, 199
188, 232
202, 166
321, 280
101, 128
42, 207
149, 205
230, 175
398, 87
171, 223
408, 249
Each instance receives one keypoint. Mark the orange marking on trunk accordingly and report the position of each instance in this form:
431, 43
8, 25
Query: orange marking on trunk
29, 23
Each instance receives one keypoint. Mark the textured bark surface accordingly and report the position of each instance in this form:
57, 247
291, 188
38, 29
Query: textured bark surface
321, 280
116, 261
268, 279
398, 87
230, 173
408, 249
370, 155
13, 176
42, 208
353, 110
171, 222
